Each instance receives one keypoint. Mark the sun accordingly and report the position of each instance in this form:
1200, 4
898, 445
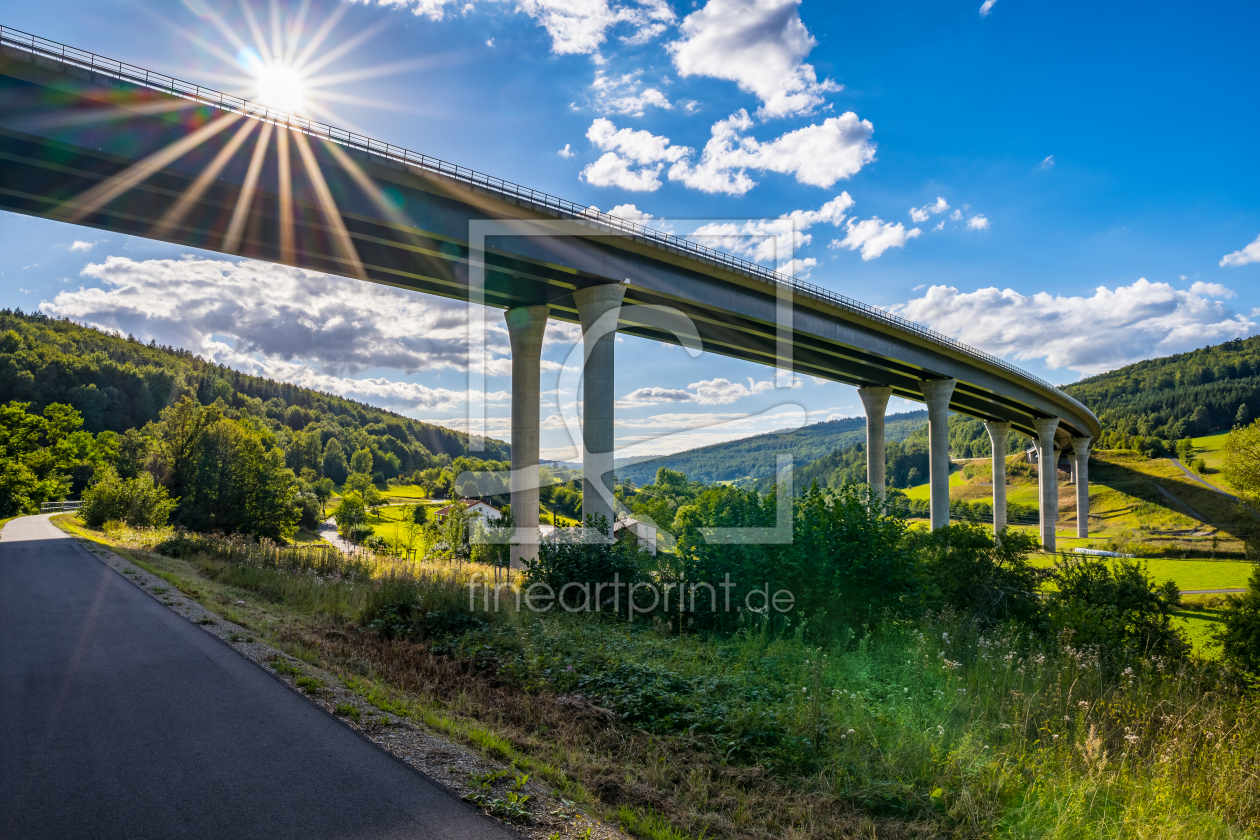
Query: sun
281, 87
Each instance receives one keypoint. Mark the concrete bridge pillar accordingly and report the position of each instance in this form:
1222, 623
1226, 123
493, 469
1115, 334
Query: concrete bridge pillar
875, 401
937, 393
526, 326
598, 396
1047, 479
997, 438
1080, 462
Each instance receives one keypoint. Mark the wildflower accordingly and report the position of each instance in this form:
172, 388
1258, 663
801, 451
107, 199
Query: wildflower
940, 730
1131, 738
962, 691
850, 731
1056, 737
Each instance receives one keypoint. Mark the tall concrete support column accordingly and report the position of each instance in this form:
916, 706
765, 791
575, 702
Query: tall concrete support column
1080, 462
526, 326
1047, 479
936, 393
997, 438
875, 401
597, 400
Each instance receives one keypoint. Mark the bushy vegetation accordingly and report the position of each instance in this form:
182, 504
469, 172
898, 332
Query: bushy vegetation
45, 455
135, 501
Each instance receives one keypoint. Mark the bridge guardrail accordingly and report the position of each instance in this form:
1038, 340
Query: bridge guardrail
59, 507
563, 207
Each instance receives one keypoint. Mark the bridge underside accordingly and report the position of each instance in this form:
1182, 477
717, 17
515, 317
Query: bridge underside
90, 150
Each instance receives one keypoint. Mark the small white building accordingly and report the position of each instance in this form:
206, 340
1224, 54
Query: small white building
475, 507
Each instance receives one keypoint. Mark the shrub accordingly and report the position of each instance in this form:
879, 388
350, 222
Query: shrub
964, 568
1117, 607
136, 501
1239, 634
566, 559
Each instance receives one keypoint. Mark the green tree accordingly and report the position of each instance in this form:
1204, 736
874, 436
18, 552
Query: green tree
1242, 462
1243, 415
323, 490
335, 461
349, 514
420, 514
985, 579
361, 461
358, 483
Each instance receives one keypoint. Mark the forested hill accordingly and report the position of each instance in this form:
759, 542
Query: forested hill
119, 383
755, 457
1173, 397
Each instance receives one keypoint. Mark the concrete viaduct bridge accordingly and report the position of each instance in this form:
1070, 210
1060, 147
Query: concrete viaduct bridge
95, 142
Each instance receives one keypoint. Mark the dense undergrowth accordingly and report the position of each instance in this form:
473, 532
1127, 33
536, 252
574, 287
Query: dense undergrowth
930, 726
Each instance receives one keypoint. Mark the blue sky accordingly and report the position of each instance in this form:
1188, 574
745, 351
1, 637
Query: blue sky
1070, 186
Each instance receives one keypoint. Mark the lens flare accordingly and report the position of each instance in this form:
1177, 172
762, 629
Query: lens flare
281, 87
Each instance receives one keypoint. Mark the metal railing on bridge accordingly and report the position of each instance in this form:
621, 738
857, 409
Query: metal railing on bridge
59, 507
502, 188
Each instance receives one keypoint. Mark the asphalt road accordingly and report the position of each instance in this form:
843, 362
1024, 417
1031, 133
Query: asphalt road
120, 719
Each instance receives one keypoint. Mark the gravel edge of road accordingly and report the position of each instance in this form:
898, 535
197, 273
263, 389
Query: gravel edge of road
438, 759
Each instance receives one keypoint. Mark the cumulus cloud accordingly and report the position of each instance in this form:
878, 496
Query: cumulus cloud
1250, 254
80, 245
576, 27
629, 211
818, 155
566, 152
1215, 291
625, 94
275, 311
1047, 163
986, 7
705, 392
1109, 329
978, 222
766, 240
874, 236
632, 160
921, 214
758, 44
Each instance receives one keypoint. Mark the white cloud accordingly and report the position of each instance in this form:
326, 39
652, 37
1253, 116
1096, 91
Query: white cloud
956, 215
978, 222
766, 240
625, 94
490, 42
939, 225
818, 155
758, 44
921, 214
274, 314
629, 211
632, 160
1250, 254
705, 392
80, 245
1215, 291
576, 27
987, 7
566, 152
875, 236
1089, 335
1047, 163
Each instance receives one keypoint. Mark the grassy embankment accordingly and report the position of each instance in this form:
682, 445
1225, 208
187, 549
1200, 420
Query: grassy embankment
924, 730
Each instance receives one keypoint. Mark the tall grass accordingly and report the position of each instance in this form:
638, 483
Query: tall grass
979, 732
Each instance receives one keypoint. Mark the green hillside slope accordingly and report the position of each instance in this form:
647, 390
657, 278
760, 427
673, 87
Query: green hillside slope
1167, 399
755, 457
118, 384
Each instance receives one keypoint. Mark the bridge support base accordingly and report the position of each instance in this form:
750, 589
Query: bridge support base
998, 431
598, 336
875, 401
526, 326
937, 393
1047, 479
